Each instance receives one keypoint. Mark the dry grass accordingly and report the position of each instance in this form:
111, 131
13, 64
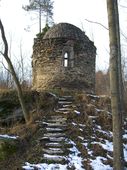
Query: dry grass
27, 147
93, 114
97, 108
23, 130
4, 90
39, 105
98, 150
86, 122
105, 120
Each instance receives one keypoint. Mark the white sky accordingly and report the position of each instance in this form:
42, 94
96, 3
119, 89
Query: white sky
16, 21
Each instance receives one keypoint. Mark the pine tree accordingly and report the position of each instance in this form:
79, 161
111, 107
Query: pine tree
43, 7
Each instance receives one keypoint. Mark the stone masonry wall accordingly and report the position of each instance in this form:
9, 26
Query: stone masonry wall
48, 69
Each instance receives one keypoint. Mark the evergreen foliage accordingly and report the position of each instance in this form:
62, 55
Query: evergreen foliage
44, 7
44, 30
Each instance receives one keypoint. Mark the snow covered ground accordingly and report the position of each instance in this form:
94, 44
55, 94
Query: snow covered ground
97, 163
8, 136
73, 159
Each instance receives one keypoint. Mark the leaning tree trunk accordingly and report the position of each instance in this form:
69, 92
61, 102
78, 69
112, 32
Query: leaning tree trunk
12, 71
114, 86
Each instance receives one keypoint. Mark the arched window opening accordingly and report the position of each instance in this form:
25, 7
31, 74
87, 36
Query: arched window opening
66, 60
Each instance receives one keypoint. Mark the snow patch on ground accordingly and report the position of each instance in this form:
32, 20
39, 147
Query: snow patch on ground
80, 137
108, 133
8, 136
74, 160
44, 166
107, 146
77, 112
125, 152
97, 164
74, 124
125, 136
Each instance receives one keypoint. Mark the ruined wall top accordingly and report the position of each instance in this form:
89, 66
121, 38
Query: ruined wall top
65, 30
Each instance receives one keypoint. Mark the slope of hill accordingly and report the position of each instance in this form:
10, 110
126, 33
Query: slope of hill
65, 133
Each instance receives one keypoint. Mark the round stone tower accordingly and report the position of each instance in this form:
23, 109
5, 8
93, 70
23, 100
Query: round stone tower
64, 58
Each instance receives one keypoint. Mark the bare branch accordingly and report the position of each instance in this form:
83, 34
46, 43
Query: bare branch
94, 22
5, 67
123, 34
97, 23
4, 39
123, 6
1, 53
11, 68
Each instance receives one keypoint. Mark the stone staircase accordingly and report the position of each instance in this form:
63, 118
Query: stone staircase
55, 141
58, 150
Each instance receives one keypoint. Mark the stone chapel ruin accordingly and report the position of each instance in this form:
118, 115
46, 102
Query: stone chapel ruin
64, 58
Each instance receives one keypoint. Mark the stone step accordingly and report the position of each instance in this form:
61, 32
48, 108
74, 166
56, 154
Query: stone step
53, 144
66, 98
65, 109
52, 139
58, 120
64, 102
57, 124
64, 145
54, 135
57, 117
53, 158
53, 119
62, 99
62, 112
53, 151
68, 106
54, 130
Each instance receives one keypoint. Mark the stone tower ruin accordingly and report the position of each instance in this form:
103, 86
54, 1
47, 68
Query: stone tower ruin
64, 58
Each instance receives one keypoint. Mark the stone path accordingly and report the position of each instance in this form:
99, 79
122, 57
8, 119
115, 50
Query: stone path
58, 149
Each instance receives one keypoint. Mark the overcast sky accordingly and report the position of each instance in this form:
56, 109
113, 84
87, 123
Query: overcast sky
16, 22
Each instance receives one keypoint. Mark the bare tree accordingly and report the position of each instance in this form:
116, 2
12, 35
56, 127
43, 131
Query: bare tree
12, 71
114, 84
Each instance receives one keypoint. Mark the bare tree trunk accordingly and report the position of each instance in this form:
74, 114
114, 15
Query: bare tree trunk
114, 87
11, 69
119, 68
119, 58
9, 77
39, 17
